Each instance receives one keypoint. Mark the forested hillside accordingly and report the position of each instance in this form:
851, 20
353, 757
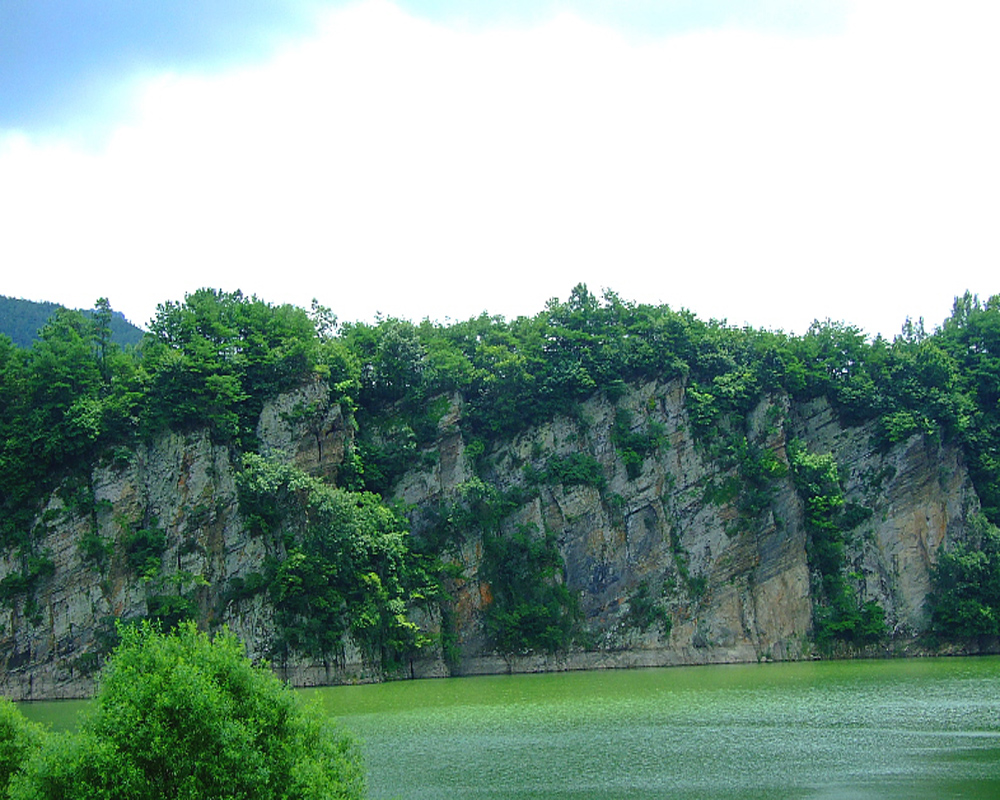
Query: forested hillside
22, 321
344, 559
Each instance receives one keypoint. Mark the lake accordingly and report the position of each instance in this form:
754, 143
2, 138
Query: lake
927, 728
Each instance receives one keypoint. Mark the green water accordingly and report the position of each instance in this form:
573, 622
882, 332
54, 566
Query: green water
853, 730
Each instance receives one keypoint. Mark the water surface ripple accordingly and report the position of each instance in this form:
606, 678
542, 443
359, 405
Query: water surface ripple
853, 730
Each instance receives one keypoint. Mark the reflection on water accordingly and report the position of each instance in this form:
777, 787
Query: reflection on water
859, 730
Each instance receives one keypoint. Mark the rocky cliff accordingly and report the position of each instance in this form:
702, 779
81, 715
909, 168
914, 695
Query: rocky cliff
736, 587
664, 556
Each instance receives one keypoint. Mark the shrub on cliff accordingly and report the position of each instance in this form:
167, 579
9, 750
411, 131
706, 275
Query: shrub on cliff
965, 597
186, 717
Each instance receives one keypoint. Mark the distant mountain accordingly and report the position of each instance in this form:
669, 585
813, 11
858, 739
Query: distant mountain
21, 320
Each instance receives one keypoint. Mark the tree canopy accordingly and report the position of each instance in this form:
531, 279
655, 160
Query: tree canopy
183, 716
22, 320
212, 360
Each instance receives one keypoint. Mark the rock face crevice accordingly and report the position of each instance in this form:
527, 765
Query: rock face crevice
668, 522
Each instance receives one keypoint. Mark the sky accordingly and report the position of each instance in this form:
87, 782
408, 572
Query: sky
764, 162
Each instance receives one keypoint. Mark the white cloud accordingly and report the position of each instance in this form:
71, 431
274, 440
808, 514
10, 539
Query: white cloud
391, 164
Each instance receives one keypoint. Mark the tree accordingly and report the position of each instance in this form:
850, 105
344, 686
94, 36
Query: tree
348, 568
215, 358
965, 600
18, 740
971, 336
838, 613
101, 320
185, 717
531, 608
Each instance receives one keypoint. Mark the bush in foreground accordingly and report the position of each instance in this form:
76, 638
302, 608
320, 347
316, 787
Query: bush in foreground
186, 717
18, 740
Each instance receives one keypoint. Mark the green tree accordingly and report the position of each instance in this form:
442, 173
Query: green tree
19, 472
53, 416
19, 740
531, 609
965, 597
64, 380
971, 336
215, 358
838, 613
101, 321
347, 568
182, 716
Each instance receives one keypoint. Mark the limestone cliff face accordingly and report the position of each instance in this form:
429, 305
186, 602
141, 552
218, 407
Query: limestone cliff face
180, 487
736, 588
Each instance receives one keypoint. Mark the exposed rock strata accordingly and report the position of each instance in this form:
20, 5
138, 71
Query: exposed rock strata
736, 588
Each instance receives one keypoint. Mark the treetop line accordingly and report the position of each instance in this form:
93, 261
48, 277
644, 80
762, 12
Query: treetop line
212, 360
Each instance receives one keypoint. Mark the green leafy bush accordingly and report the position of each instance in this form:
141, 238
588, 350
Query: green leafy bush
19, 740
346, 569
838, 615
575, 469
170, 610
35, 568
646, 610
531, 609
965, 597
144, 548
635, 446
186, 717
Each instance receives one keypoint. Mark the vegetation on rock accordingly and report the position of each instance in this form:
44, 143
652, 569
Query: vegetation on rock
839, 613
965, 604
343, 563
342, 569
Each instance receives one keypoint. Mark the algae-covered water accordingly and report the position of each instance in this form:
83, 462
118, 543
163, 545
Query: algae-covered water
854, 729
861, 729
